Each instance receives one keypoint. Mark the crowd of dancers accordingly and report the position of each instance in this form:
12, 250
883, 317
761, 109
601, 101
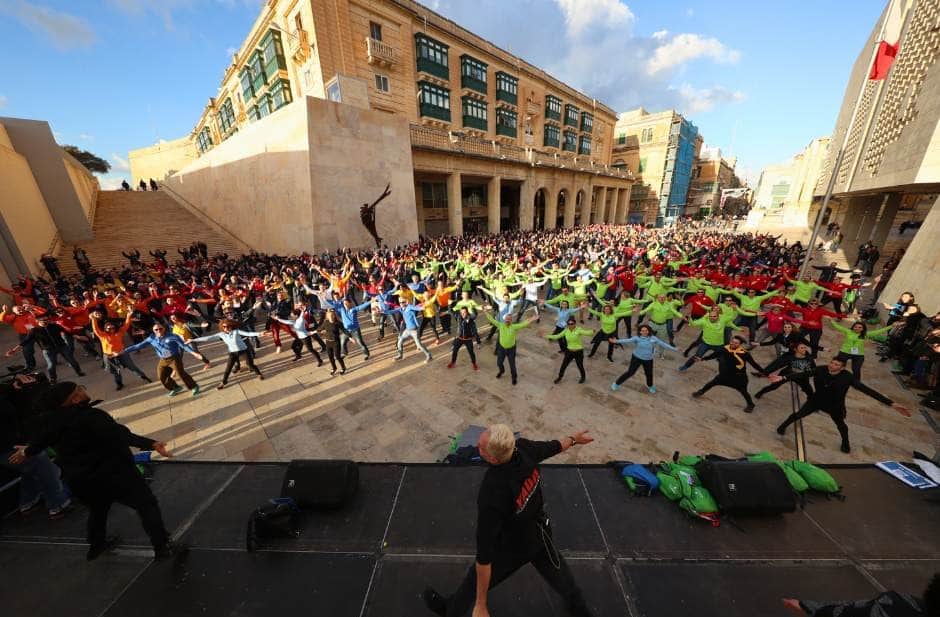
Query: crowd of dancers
618, 287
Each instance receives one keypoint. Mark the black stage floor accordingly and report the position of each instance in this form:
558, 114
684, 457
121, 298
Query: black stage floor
411, 526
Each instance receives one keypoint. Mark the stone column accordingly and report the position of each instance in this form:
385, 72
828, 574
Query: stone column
855, 209
612, 194
493, 205
527, 205
623, 205
871, 217
551, 207
919, 270
570, 204
883, 227
455, 204
600, 215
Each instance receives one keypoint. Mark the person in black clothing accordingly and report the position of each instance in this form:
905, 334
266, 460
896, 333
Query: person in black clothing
133, 257
733, 359
51, 264
142, 185
280, 307
330, 329
153, 185
832, 384
512, 527
52, 340
800, 360
829, 273
887, 604
92, 450
466, 334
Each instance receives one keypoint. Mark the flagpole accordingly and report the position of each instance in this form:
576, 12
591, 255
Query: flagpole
841, 153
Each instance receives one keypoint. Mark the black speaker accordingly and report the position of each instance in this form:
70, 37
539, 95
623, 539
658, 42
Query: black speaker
320, 484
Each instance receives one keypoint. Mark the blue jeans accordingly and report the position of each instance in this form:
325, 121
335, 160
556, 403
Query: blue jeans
39, 476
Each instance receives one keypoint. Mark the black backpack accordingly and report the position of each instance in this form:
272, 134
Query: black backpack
279, 518
745, 487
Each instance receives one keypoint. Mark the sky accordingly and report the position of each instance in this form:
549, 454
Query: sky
759, 79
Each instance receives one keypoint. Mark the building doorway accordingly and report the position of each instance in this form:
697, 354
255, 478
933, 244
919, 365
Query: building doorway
509, 195
560, 212
539, 210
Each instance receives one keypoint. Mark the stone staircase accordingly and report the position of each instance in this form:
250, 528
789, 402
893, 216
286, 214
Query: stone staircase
145, 220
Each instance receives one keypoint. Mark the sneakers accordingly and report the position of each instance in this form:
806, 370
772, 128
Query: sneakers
95, 550
514, 381
175, 391
475, 367
845, 447
119, 387
652, 389
428, 359
342, 371
277, 349
557, 380
434, 601
220, 386
57, 513
168, 550
697, 394
683, 368
749, 408
499, 374
450, 365
195, 391
615, 386
28, 508
581, 380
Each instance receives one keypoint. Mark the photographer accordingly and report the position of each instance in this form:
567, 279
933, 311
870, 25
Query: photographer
39, 476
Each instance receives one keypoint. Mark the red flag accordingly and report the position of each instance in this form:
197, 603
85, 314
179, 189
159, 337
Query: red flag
889, 43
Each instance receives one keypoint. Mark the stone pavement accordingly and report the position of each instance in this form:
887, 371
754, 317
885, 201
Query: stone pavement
383, 410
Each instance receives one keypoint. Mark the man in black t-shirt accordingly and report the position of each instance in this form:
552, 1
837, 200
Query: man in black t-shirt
512, 528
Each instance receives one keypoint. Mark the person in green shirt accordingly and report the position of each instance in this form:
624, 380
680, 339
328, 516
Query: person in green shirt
608, 318
574, 347
805, 289
713, 334
660, 311
624, 306
750, 302
853, 343
507, 343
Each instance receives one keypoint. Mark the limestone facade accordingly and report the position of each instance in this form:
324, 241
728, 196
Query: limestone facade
711, 175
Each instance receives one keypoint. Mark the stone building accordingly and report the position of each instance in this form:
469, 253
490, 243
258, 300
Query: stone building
339, 98
712, 174
660, 149
890, 170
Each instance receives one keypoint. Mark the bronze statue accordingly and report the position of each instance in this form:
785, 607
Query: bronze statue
367, 214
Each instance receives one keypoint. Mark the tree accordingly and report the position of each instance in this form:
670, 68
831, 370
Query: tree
91, 162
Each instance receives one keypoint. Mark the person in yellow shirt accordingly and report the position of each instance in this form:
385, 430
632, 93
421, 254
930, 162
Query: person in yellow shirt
574, 349
430, 313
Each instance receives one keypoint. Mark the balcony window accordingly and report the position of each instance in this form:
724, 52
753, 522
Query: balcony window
571, 116
571, 142
474, 113
226, 117
642, 166
375, 31
584, 145
646, 136
204, 140
264, 106
506, 122
507, 88
551, 136
258, 79
622, 139
434, 101
253, 113
434, 194
272, 53
432, 56
472, 74
280, 94
587, 122
248, 92
552, 107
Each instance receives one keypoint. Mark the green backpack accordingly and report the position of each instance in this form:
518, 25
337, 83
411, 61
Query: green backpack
698, 501
669, 486
797, 483
818, 479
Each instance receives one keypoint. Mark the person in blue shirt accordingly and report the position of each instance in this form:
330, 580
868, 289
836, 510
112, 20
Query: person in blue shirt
410, 314
645, 343
170, 348
349, 314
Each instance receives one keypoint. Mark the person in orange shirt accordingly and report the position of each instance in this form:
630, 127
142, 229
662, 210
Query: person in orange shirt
443, 303
112, 346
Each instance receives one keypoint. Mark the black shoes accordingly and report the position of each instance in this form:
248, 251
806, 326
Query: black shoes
168, 550
697, 394
499, 374
845, 447
95, 550
782, 429
514, 381
557, 380
749, 408
434, 601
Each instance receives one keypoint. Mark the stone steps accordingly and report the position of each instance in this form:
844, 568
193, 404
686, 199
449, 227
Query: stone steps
147, 221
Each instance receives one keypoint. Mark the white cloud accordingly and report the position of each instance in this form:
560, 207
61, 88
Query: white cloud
579, 14
685, 47
63, 30
696, 100
120, 163
109, 183
660, 35
86, 137
3, 101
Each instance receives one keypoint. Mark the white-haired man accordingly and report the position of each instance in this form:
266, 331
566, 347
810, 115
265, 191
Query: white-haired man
512, 528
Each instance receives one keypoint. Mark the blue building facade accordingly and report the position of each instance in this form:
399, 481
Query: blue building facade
680, 156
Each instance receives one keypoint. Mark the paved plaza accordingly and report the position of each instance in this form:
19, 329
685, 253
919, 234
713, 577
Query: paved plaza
383, 410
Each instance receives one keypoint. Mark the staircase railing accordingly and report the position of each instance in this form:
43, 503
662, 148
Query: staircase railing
205, 217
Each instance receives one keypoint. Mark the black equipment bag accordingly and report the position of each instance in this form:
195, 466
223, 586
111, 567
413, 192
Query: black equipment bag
279, 518
320, 484
744, 487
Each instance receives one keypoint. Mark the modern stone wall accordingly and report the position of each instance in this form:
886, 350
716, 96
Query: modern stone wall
160, 160
919, 272
294, 181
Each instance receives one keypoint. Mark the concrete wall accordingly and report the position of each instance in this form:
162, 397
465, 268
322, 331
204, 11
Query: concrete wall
294, 181
33, 140
84, 183
919, 271
161, 160
26, 227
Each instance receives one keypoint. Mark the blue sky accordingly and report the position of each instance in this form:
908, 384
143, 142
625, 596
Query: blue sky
759, 79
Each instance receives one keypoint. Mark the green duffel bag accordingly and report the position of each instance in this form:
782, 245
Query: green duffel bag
676, 469
689, 460
669, 486
797, 483
818, 479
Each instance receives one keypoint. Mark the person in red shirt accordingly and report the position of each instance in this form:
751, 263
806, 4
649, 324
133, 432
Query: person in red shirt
22, 320
811, 321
